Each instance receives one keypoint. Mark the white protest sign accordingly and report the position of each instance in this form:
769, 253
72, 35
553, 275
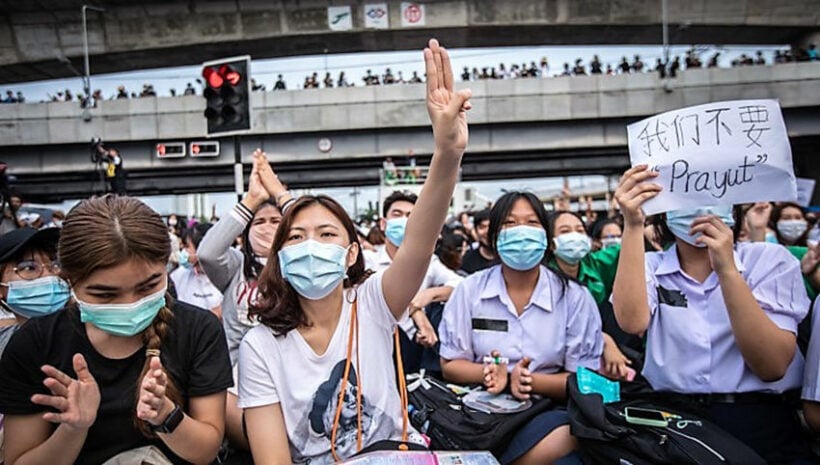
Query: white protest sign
376, 16
805, 191
715, 154
339, 18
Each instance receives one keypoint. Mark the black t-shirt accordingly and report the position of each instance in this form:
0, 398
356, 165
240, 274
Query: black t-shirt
473, 261
195, 354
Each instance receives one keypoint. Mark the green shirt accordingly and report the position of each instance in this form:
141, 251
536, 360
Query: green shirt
798, 253
596, 271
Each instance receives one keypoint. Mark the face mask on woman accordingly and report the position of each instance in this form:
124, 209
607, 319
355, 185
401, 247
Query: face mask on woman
521, 247
791, 230
261, 238
313, 268
123, 319
38, 297
572, 247
184, 259
607, 242
680, 221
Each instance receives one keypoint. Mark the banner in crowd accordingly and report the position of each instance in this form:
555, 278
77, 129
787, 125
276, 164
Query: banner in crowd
376, 16
339, 18
412, 14
715, 154
805, 191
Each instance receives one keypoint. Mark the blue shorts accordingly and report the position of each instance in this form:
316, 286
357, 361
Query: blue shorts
533, 432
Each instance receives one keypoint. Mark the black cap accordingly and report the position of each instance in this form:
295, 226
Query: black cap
14, 241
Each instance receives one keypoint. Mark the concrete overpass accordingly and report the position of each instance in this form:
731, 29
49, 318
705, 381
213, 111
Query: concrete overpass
519, 128
43, 39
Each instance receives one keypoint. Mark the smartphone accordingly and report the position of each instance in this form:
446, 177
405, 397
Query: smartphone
645, 417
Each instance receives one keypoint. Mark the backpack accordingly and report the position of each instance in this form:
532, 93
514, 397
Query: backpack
605, 437
439, 413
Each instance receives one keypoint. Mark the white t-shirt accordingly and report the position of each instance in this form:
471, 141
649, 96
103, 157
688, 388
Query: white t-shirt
287, 371
195, 288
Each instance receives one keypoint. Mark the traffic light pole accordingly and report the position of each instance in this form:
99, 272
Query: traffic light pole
238, 175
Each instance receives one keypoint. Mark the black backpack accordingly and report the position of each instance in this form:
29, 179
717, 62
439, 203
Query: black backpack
605, 437
439, 413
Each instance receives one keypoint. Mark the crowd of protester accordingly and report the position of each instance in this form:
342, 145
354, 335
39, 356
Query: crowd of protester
268, 335
512, 71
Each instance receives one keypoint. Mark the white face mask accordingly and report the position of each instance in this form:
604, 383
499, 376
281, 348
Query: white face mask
791, 230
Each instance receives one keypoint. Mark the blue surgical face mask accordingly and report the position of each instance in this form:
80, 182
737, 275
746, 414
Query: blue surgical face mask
38, 297
394, 230
185, 259
771, 237
680, 221
123, 319
313, 269
572, 247
608, 242
521, 247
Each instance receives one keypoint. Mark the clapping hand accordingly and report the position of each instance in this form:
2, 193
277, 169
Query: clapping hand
77, 400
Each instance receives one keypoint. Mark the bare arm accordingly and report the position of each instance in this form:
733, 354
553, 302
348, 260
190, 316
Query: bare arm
447, 110
198, 437
267, 435
629, 299
30, 440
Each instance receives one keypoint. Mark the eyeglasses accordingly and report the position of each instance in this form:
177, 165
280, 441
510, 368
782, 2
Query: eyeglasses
30, 269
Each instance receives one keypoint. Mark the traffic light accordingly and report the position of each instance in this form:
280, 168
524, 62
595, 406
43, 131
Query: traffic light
227, 94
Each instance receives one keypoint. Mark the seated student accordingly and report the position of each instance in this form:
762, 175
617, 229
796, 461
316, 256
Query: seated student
30, 285
30, 272
569, 252
191, 283
751, 223
545, 324
790, 225
605, 234
124, 366
721, 319
316, 379
481, 257
437, 285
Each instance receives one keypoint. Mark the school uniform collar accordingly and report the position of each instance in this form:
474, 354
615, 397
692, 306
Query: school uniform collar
541, 295
670, 263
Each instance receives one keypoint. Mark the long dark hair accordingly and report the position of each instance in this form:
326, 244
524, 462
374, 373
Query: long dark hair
106, 231
251, 268
498, 214
278, 303
778, 212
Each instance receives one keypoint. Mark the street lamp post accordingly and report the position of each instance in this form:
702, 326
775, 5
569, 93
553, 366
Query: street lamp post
87, 77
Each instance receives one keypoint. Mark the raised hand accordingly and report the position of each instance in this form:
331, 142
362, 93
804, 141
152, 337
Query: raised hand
447, 109
632, 192
718, 238
76, 399
521, 379
153, 406
495, 375
257, 193
757, 219
266, 174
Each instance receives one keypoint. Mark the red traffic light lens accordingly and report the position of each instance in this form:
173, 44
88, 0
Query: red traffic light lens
161, 149
194, 148
213, 78
233, 77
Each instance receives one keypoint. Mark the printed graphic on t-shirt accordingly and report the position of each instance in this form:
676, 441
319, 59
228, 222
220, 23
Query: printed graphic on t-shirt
246, 295
323, 411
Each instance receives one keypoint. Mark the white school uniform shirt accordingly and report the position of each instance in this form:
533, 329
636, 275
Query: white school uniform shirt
437, 275
285, 370
195, 288
559, 329
811, 376
690, 345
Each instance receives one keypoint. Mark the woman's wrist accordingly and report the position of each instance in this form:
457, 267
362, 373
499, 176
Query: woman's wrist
252, 203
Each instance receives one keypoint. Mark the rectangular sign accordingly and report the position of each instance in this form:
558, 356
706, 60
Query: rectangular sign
805, 191
412, 14
339, 18
376, 16
715, 154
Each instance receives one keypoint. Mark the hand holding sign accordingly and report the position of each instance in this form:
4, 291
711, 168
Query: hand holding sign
713, 154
